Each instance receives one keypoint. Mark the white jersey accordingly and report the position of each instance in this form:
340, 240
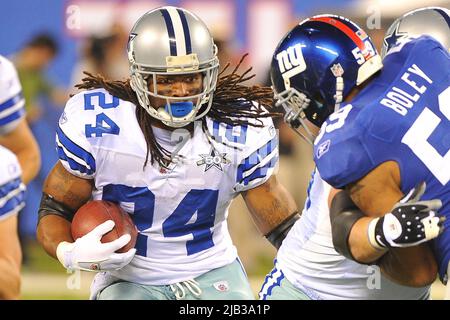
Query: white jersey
181, 211
12, 190
11, 99
309, 261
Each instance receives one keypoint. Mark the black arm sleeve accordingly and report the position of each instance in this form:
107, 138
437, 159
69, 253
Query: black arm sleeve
343, 215
277, 235
49, 206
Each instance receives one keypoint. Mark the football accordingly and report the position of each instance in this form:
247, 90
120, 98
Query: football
95, 212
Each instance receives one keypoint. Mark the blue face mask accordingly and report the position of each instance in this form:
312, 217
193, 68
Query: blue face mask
180, 109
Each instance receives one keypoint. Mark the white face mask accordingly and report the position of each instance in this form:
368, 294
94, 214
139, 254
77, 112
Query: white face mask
178, 111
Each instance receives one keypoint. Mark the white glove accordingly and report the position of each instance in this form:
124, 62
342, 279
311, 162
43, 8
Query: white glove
89, 254
410, 223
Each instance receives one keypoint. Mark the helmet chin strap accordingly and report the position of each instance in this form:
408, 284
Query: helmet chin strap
339, 96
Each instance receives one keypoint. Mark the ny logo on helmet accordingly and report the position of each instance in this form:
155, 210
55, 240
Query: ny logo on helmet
291, 63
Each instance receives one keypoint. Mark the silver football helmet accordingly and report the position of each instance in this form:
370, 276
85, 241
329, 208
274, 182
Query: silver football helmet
432, 21
172, 41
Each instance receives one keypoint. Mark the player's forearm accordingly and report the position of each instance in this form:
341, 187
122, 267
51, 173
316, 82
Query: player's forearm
30, 162
51, 231
270, 205
359, 243
9, 280
413, 266
395, 263
274, 214
23, 144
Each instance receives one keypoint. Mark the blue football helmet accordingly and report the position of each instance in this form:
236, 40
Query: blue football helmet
316, 65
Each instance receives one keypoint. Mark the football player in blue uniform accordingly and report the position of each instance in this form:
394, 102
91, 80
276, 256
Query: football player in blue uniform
173, 146
374, 141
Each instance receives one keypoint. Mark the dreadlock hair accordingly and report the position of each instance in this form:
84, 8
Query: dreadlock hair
233, 103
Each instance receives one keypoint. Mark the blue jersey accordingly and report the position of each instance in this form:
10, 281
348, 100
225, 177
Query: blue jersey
402, 115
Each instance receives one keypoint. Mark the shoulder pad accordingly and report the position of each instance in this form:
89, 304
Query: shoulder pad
258, 156
339, 152
11, 98
74, 150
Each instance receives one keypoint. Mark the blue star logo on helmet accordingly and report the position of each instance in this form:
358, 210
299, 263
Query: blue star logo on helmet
392, 39
130, 38
131, 55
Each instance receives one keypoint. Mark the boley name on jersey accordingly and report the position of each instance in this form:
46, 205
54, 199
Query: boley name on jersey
402, 99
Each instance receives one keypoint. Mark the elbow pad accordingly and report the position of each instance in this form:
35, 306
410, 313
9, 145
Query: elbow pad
343, 215
50, 206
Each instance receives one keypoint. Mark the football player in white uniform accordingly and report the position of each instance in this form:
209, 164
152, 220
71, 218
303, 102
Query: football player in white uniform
173, 146
308, 266
12, 192
15, 134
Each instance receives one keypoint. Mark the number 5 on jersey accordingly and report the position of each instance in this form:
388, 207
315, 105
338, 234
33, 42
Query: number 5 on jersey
416, 138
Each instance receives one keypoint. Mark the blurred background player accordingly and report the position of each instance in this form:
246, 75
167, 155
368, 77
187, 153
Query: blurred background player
11, 202
44, 100
307, 258
118, 141
103, 55
16, 136
31, 63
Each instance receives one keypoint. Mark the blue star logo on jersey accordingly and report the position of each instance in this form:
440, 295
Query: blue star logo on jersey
213, 160
392, 39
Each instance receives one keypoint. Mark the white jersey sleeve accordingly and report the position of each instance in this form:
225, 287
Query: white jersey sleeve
259, 156
74, 149
12, 190
11, 99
